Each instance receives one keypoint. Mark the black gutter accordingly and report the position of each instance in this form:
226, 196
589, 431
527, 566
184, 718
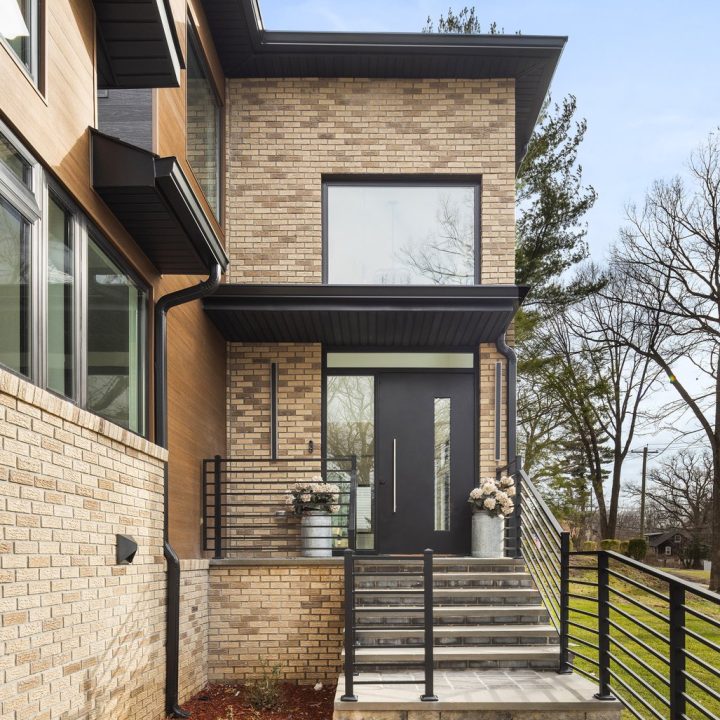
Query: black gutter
172, 628
505, 350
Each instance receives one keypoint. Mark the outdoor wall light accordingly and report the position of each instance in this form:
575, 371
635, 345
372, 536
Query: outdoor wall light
125, 549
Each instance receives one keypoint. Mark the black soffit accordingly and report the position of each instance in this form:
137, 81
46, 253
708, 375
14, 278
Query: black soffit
153, 199
137, 44
246, 49
367, 316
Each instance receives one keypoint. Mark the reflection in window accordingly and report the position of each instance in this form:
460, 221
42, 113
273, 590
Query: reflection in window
350, 430
442, 463
203, 126
401, 234
15, 162
17, 26
60, 301
14, 289
116, 343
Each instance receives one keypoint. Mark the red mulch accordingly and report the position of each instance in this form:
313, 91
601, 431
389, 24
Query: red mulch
299, 702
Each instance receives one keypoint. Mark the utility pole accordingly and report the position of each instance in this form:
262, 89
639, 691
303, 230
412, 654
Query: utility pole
643, 482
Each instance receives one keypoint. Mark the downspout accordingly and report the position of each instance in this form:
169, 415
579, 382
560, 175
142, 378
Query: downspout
505, 350
172, 626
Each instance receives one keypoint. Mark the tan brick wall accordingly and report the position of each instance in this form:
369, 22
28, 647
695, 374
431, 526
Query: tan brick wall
81, 637
283, 134
488, 358
285, 615
194, 614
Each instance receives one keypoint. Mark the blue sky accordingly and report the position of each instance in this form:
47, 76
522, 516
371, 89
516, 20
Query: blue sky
644, 73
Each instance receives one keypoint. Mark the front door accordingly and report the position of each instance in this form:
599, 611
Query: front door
425, 461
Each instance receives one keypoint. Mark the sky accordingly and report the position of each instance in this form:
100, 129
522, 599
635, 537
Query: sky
645, 74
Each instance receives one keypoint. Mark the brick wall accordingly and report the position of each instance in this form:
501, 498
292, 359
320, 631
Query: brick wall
194, 613
283, 134
81, 636
286, 614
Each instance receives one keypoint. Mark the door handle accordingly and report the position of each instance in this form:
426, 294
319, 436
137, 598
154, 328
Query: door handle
394, 475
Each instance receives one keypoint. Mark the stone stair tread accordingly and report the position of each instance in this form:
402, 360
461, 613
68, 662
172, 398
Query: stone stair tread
458, 609
472, 591
493, 652
465, 631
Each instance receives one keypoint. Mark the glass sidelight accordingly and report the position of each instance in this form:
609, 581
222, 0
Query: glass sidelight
441, 425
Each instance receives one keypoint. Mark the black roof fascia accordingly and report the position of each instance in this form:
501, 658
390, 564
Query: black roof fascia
246, 49
138, 46
155, 202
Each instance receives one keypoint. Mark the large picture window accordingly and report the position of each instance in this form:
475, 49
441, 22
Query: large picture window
401, 233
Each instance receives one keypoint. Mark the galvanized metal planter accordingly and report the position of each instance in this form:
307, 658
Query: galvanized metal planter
316, 533
488, 535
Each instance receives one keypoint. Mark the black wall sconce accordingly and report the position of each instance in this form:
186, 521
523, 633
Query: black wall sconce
125, 549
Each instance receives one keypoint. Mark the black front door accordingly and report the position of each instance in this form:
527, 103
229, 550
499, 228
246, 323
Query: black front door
426, 465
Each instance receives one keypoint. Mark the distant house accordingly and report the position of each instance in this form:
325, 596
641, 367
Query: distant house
670, 542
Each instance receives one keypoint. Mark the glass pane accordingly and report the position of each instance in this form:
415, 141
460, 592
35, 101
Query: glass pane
116, 343
14, 289
401, 235
351, 431
15, 162
60, 301
442, 463
15, 24
400, 360
203, 125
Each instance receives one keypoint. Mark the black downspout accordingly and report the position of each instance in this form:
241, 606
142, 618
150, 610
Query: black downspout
172, 628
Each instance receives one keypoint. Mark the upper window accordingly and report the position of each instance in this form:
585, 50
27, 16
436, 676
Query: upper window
203, 124
402, 233
18, 26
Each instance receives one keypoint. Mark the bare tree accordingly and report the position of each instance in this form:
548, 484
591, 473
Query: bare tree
668, 268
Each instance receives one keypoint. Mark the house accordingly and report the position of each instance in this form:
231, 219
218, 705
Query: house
671, 542
234, 259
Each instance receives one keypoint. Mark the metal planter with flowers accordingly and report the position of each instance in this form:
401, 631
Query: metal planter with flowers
492, 502
315, 502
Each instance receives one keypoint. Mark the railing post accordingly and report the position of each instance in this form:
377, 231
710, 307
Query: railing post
603, 692
517, 474
429, 694
349, 666
352, 508
564, 668
218, 507
677, 651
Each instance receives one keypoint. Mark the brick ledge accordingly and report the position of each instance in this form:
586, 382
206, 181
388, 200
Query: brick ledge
270, 562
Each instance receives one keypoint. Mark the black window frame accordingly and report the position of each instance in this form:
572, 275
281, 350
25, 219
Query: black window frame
403, 180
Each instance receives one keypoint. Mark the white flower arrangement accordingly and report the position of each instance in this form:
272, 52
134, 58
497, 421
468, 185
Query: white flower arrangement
315, 495
494, 496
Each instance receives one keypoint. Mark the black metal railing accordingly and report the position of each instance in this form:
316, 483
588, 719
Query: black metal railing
351, 665
646, 637
245, 508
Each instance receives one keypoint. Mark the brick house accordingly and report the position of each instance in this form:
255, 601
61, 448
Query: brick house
238, 256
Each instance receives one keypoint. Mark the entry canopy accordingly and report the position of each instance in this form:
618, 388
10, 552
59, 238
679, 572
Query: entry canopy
367, 316
153, 199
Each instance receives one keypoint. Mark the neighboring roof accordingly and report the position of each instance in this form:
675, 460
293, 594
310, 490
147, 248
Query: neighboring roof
246, 49
137, 44
659, 538
368, 316
153, 199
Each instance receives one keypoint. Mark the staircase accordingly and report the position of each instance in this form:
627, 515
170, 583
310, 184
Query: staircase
488, 615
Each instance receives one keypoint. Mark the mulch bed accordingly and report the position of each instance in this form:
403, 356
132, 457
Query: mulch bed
299, 702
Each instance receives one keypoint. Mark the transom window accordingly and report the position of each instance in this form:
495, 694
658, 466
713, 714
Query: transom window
401, 232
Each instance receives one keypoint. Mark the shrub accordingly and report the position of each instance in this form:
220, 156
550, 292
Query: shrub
637, 548
264, 693
610, 544
589, 546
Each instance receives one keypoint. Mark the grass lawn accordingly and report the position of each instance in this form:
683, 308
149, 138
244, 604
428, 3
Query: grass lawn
651, 675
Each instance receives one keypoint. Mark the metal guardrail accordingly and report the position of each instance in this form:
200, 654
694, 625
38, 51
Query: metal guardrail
351, 667
245, 510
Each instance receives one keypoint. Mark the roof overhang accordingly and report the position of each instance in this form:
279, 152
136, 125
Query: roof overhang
246, 49
137, 44
153, 199
368, 316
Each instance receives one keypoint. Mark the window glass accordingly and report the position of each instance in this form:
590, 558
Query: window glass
60, 301
442, 463
350, 430
115, 342
203, 126
15, 162
17, 22
14, 289
401, 234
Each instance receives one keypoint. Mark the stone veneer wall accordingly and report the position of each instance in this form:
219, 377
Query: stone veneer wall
285, 613
81, 637
194, 616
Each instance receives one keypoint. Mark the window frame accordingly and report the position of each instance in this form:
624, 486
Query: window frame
195, 43
403, 180
34, 27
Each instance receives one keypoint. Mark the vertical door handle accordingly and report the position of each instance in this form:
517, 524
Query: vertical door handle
394, 475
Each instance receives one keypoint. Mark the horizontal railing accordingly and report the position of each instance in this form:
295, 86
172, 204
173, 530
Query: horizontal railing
644, 636
246, 510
